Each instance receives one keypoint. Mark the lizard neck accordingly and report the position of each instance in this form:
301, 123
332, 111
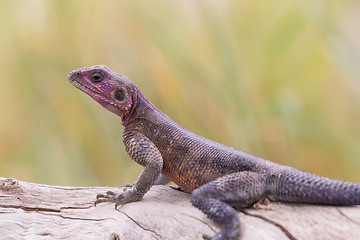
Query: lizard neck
142, 108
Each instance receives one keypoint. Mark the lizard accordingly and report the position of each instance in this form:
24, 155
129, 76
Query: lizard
220, 179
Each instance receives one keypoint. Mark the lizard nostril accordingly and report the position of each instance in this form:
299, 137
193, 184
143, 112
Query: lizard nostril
74, 74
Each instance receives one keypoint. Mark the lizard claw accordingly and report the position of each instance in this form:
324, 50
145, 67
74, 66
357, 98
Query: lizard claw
108, 197
128, 195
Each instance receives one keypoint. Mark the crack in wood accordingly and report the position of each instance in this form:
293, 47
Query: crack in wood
46, 211
87, 207
278, 225
145, 229
347, 217
207, 224
36, 209
74, 218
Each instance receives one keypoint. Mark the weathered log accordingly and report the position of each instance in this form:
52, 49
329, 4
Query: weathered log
35, 211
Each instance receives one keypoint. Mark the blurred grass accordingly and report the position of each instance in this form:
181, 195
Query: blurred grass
277, 79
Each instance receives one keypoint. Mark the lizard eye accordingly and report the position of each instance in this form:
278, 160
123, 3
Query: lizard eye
119, 95
97, 77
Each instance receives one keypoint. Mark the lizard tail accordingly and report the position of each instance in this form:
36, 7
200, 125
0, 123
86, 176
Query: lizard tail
302, 187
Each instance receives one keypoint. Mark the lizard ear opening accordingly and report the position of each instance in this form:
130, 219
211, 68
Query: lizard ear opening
122, 98
119, 95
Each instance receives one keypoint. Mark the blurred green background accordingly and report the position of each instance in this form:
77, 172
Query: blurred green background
279, 79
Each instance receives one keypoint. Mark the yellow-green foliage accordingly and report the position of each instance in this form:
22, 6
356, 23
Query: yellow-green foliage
279, 79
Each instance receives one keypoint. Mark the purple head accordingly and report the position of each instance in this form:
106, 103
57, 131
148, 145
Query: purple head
113, 91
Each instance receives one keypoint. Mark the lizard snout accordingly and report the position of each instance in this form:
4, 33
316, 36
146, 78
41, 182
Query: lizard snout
74, 75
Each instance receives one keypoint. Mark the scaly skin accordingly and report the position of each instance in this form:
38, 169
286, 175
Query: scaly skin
218, 177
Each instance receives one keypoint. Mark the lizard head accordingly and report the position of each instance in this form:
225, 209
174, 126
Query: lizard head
113, 91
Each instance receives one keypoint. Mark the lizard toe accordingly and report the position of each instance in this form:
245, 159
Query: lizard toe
108, 197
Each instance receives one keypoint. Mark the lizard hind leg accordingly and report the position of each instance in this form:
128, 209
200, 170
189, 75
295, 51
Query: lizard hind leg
218, 198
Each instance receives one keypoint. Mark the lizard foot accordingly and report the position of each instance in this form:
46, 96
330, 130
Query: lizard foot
128, 195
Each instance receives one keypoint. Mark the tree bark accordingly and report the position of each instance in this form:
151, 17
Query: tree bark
35, 211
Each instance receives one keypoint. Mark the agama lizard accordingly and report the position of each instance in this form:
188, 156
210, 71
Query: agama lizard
219, 178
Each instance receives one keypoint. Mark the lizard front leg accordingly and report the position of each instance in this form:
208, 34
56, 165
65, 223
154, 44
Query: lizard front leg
217, 198
144, 152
